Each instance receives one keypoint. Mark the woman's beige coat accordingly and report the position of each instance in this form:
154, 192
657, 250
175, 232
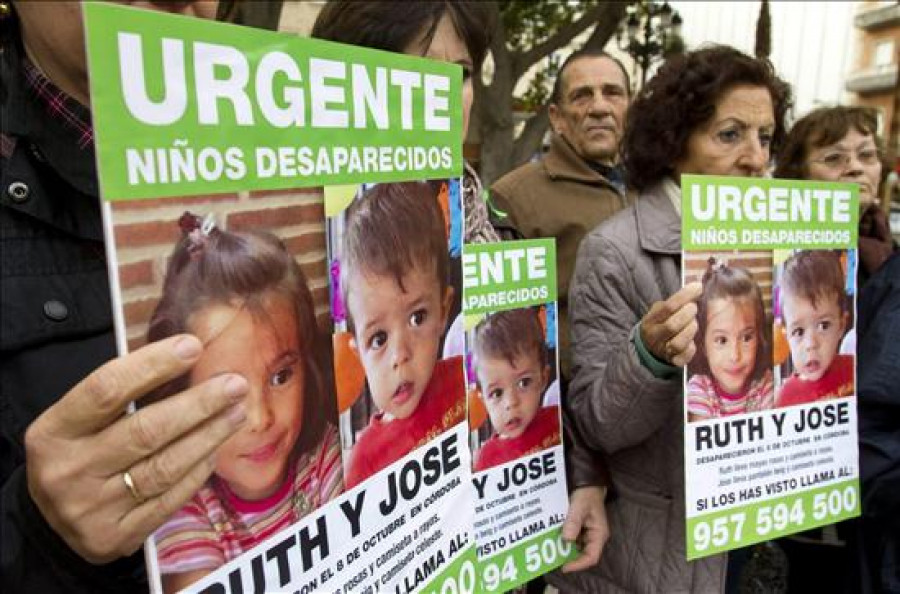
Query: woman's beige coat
624, 265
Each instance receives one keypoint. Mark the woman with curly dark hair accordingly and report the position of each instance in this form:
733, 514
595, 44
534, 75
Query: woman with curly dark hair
713, 111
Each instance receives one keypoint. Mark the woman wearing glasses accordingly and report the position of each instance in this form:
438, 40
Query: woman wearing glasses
841, 144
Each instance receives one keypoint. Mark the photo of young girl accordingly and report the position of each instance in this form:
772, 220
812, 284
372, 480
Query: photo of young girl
392, 246
731, 372
513, 369
245, 297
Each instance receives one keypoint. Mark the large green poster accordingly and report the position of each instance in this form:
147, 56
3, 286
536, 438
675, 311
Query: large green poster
213, 144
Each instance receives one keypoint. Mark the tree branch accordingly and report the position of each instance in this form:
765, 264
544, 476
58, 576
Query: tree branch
606, 26
602, 11
499, 89
529, 139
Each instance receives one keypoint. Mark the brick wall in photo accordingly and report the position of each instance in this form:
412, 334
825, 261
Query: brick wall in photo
146, 232
759, 264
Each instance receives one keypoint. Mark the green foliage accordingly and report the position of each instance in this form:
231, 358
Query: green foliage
528, 23
675, 46
538, 92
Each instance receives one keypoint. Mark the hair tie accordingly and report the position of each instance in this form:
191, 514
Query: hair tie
197, 231
717, 265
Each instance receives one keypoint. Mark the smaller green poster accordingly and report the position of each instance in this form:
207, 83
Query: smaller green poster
508, 275
521, 500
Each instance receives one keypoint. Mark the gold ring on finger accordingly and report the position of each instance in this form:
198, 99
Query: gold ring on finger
132, 488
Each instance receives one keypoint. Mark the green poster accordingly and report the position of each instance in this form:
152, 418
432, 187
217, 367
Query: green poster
182, 106
754, 213
509, 298
213, 143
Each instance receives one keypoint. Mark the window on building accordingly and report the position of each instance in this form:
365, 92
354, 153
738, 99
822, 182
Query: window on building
884, 53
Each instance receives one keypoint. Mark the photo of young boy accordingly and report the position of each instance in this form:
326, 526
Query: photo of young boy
513, 371
394, 271
815, 311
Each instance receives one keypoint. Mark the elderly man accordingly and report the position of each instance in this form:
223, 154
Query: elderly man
578, 183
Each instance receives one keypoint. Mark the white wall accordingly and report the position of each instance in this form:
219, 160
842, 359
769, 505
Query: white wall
812, 42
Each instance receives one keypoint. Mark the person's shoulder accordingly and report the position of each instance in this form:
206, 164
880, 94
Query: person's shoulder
448, 374
444, 400
373, 432
520, 174
622, 223
372, 440
791, 392
518, 184
324, 453
491, 453
761, 393
320, 473
548, 415
765, 381
619, 231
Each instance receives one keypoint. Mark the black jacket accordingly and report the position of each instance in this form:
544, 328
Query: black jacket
55, 324
878, 340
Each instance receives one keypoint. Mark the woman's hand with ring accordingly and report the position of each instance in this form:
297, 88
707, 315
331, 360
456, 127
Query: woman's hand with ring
79, 450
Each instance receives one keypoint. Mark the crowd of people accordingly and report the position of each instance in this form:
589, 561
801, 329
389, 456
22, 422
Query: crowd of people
84, 484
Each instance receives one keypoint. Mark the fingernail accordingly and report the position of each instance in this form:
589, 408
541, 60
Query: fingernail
237, 413
235, 386
188, 347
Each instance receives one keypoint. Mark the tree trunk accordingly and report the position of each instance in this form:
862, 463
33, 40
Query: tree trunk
500, 152
494, 105
763, 32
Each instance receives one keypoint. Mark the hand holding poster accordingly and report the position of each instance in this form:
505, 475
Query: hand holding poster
770, 437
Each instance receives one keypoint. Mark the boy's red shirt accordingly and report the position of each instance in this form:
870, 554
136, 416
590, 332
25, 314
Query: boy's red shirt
541, 433
443, 405
837, 382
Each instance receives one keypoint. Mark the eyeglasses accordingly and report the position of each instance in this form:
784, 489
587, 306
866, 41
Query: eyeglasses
841, 159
